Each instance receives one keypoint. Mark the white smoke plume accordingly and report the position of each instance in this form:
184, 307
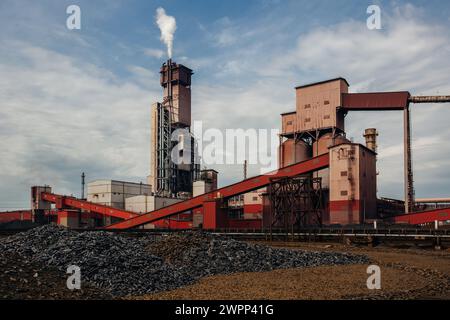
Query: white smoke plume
167, 25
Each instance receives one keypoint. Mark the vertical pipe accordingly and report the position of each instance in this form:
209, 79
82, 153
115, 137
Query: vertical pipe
409, 188
280, 152
168, 173
82, 185
364, 210
316, 173
294, 149
123, 194
245, 169
160, 178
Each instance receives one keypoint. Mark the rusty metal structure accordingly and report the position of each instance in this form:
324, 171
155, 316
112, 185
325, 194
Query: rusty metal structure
387, 101
408, 169
211, 203
409, 179
172, 118
318, 123
296, 202
323, 178
83, 184
370, 134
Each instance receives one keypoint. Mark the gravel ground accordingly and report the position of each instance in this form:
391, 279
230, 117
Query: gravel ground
323, 283
121, 266
431, 265
405, 274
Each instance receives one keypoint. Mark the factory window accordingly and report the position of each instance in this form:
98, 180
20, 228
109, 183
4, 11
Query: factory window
289, 123
307, 106
326, 102
344, 193
255, 198
307, 119
343, 173
326, 116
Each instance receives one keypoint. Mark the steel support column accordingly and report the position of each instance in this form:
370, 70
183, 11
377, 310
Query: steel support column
409, 183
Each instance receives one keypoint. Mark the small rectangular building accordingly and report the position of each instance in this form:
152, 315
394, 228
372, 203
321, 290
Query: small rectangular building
114, 193
353, 184
143, 204
253, 204
207, 182
317, 103
288, 123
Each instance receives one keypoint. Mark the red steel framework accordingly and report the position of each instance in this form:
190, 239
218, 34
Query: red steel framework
16, 215
350, 102
132, 219
244, 186
63, 202
424, 217
384, 101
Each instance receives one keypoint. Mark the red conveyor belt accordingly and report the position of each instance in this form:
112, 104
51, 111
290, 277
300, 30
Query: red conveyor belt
244, 186
71, 202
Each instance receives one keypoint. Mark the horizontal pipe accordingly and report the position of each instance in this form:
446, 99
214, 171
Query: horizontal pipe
230, 234
429, 99
431, 200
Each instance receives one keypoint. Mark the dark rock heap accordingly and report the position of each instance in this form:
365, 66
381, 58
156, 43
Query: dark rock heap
125, 266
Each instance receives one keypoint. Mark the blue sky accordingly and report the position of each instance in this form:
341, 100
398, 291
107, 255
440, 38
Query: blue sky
79, 100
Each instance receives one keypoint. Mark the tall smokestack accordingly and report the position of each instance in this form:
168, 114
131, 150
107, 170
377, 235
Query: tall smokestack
371, 138
83, 183
245, 169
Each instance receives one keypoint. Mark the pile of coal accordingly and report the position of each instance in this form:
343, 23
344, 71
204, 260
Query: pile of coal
120, 265
204, 254
22, 279
123, 266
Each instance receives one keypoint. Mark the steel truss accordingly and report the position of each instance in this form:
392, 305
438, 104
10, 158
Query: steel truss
296, 202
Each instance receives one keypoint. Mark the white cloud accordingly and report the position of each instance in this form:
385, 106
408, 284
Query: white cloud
60, 116
154, 53
223, 32
225, 37
410, 53
144, 77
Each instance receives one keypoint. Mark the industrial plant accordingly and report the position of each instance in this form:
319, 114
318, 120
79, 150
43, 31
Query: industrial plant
313, 227
323, 177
